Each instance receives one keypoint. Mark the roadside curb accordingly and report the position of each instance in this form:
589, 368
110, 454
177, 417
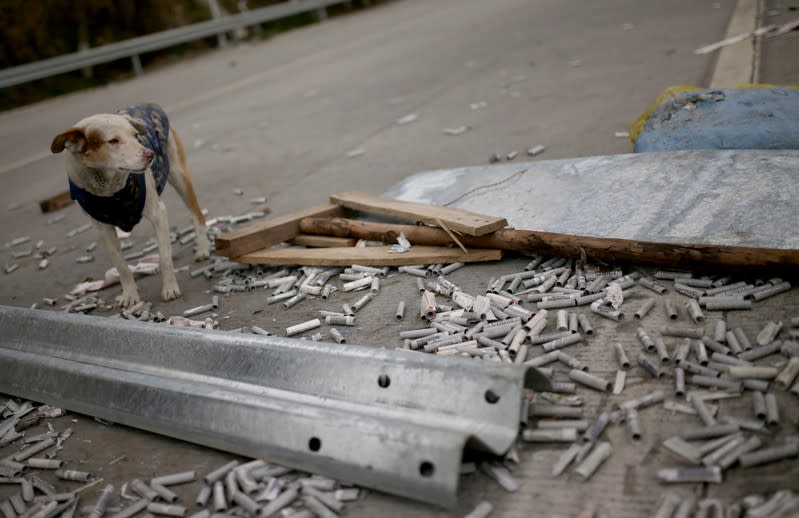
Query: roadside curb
736, 64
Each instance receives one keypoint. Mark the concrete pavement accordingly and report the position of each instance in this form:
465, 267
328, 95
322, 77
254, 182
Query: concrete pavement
277, 118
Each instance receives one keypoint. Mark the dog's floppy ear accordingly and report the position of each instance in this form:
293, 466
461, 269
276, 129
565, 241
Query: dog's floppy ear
73, 136
138, 124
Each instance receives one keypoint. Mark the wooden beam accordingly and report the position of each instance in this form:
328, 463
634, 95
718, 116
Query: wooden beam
323, 241
609, 250
469, 223
269, 232
369, 256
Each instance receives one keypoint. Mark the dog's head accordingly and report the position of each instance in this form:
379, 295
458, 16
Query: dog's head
107, 142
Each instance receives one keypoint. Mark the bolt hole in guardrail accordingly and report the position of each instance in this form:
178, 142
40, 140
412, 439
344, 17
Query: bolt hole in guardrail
383, 380
314, 444
491, 396
426, 469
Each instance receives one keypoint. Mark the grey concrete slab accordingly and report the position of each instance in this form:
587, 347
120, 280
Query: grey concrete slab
746, 198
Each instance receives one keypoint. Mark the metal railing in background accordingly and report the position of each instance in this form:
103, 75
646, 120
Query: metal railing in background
133, 47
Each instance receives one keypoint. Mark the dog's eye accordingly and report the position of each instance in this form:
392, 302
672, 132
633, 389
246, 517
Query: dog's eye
114, 141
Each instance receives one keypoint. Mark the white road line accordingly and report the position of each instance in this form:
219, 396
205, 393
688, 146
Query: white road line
24, 161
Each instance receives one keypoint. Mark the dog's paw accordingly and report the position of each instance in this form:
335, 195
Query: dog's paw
203, 250
170, 293
128, 299
202, 253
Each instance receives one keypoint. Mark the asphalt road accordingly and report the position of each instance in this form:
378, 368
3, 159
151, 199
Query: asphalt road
776, 65
277, 118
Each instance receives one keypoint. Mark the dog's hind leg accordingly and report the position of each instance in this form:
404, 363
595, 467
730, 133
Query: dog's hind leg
180, 179
130, 295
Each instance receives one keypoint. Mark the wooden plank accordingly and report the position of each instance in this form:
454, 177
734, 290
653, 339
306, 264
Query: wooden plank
323, 241
57, 202
469, 223
269, 232
369, 256
596, 249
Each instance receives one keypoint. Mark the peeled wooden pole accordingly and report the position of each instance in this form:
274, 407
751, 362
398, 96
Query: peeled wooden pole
603, 249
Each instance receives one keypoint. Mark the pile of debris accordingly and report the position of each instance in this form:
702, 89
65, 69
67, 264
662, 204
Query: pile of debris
254, 488
496, 326
530, 318
702, 368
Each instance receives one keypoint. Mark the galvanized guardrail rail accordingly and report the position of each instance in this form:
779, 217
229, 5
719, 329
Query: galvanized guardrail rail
396, 421
133, 47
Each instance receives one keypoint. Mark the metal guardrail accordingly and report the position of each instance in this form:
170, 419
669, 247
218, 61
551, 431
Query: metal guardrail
133, 47
391, 420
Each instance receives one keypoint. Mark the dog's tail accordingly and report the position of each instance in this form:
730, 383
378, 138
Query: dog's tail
192, 197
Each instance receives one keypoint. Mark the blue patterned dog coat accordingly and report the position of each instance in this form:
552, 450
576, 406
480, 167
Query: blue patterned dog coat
124, 208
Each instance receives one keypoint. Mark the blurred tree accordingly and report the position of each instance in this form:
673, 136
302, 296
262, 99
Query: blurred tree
40, 29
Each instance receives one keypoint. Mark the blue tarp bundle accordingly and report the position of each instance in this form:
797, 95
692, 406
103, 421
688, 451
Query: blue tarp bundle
735, 118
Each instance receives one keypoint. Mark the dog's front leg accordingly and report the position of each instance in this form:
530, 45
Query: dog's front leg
130, 295
158, 218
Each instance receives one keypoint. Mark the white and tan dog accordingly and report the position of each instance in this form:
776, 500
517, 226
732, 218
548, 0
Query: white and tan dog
118, 165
